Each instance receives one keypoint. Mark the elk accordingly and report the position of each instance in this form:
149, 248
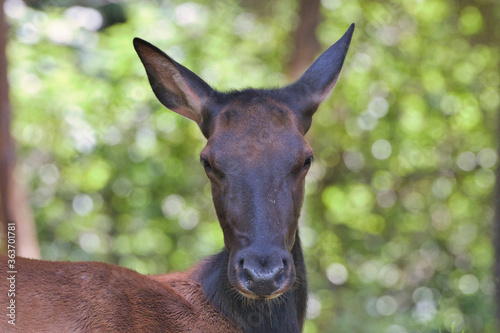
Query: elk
256, 159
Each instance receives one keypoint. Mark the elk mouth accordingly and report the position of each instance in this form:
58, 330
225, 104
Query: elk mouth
249, 294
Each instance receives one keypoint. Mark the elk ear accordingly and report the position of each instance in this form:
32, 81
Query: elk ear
319, 79
175, 86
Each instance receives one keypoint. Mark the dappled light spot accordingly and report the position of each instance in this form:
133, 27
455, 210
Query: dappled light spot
337, 273
442, 187
386, 305
389, 35
412, 110
454, 320
414, 202
140, 197
433, 81
368, 271
49, 173
381, 149
244, 23
30, 84
393, 250
366, 121
471, 20
331, 4
83, 204
441, 218
112, 136
462, 236
426, 301
190, 13
173, 205
467, 161
487, 157
188, 219
31, 134
166, 122
60, 31
84, 17
352, 127
150, 241
378, 107
15, 9
382, 180
468, 284
89, 241
329, 158
138, 264
42, 196
361, 62
145, 139
29, 33
96, 175
389, 275
313, 306
353, 160
82, 133
465, 72
487, 286
386, 198
485, 178
489, 99
424, 311
316, 173
451, 105
308, 236
122, 187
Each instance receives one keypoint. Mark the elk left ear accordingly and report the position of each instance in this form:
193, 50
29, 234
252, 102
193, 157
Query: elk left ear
174, 85
319, 79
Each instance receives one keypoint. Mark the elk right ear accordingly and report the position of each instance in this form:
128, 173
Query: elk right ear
175, 86
319, 79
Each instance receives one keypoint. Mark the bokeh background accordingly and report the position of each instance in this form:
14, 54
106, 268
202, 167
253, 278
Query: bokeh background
397, 221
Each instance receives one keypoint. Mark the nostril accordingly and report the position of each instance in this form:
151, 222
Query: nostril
248, 277
279, 275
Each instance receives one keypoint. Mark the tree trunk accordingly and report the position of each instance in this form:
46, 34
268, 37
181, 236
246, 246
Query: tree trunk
306, 45
14, 207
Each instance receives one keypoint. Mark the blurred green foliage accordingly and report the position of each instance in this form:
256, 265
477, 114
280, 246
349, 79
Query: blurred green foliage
397, 220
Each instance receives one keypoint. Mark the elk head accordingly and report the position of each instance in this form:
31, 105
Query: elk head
256, 159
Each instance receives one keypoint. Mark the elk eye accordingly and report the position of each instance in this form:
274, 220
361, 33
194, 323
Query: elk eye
205, 163
308, 162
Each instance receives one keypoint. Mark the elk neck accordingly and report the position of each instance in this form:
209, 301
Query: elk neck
285, 313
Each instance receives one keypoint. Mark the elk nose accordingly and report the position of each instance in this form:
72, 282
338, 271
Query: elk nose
263, 280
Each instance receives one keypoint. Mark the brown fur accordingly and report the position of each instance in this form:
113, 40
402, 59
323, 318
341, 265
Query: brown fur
98, 297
